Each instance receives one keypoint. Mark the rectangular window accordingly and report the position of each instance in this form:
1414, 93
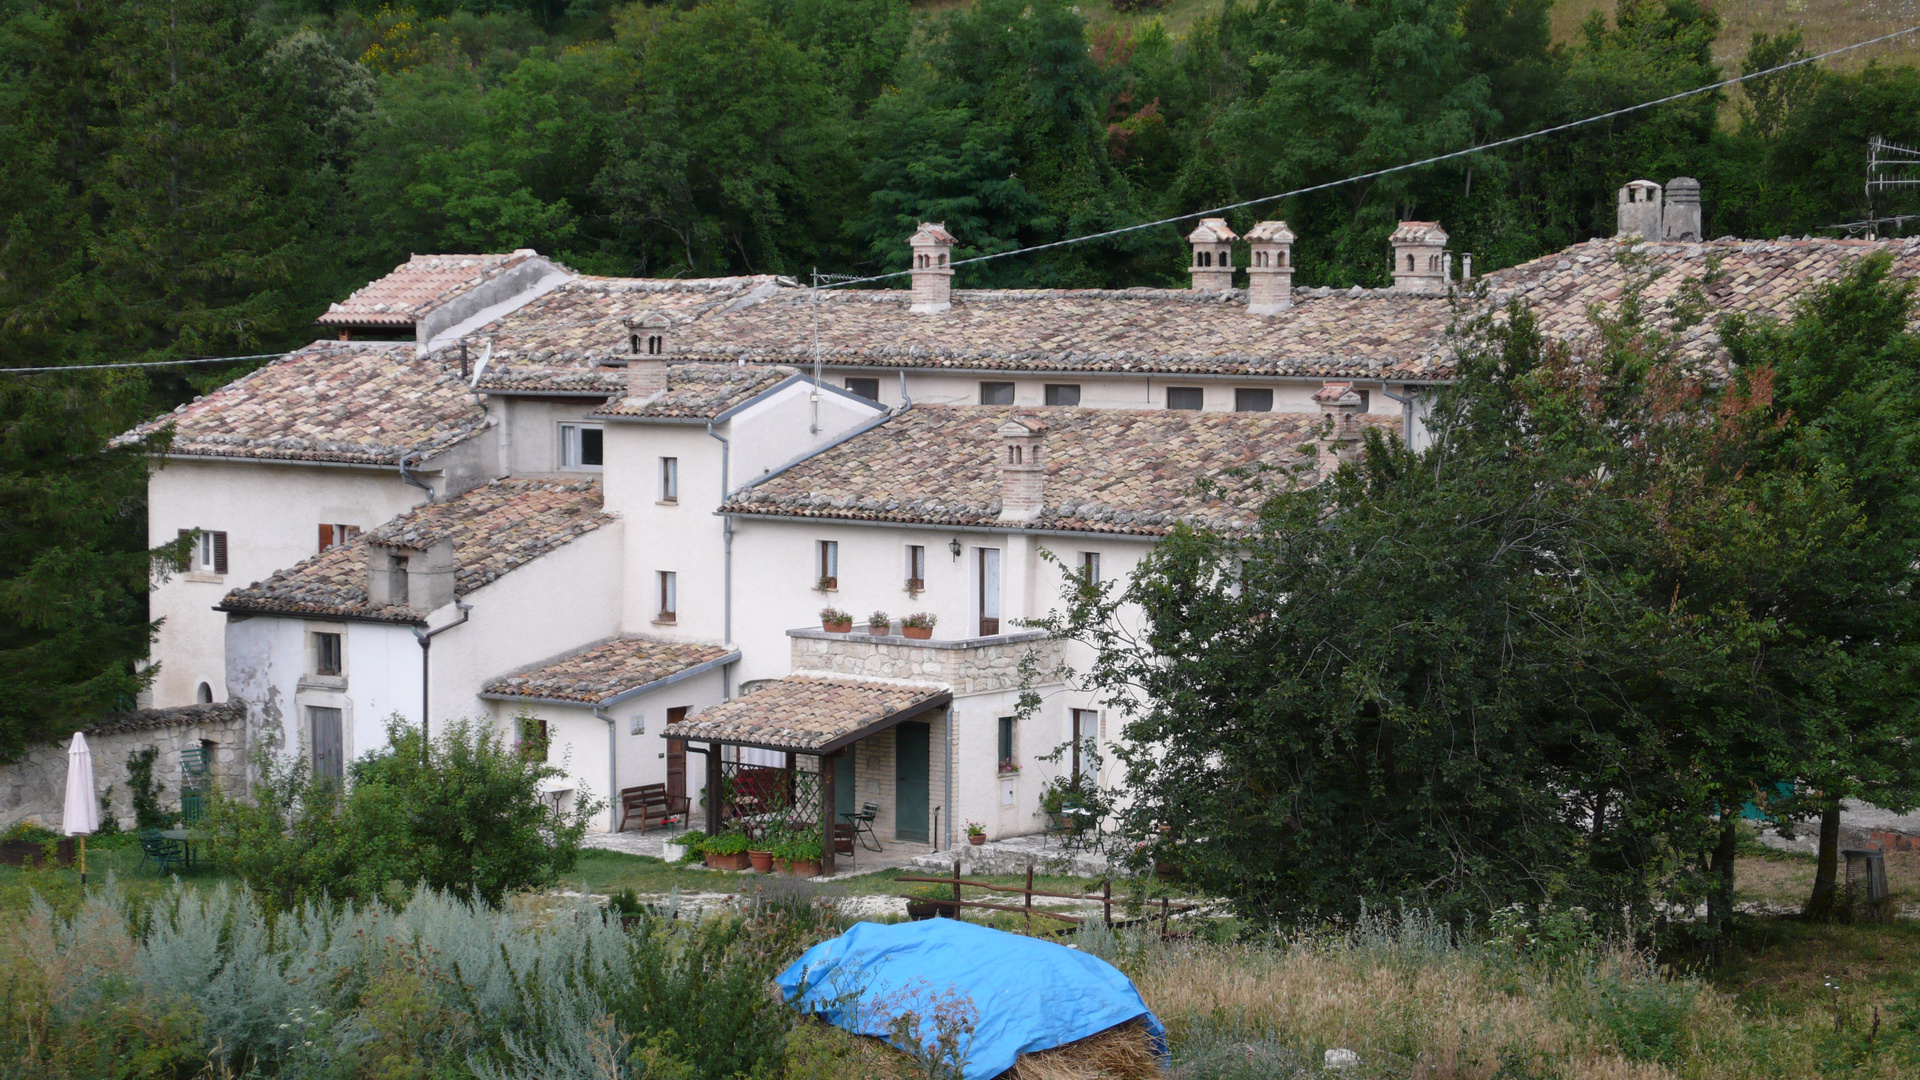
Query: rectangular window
996, 393
989, 578
1246, 399
335, 535
535, 740
669, 480
866, 388
326, 654
580, 446
1185, 397
1085, 723
829, 569
1090, 567
1063, 394
669, 598
1006, 761
209, 552
916, 567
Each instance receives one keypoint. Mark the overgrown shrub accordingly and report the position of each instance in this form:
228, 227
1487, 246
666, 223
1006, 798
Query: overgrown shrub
147, 811
467, 817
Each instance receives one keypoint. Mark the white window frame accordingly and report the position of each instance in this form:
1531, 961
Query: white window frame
668, 584
669, 480
571, 450
917, 564
1090, 567
827, 564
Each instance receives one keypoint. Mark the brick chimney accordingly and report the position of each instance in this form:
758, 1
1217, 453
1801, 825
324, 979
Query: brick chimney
1212, 267
1023, 468
1270, 268
1419, 257
932, 248
1341, 404
1680, 217
420, 581
1638, 211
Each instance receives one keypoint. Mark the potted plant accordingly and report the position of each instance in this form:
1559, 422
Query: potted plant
804, 857
685, 847
918, 625
782, 855
760, 856
728, 851
835, 621
916, 586
976, 833
879, 624
1008, 765
827, 583
930, 901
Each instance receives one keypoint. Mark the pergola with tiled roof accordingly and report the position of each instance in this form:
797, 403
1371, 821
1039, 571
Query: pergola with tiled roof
815, 715
605, 673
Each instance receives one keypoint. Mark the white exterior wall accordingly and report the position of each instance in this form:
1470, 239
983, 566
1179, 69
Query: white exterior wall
529, 431
578, 742
1101, 390
271, 513
779, 428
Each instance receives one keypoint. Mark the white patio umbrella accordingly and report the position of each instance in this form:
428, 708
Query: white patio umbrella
81, 815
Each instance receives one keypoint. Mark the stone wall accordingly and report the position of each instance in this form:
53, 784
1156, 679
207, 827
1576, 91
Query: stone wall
969, 666
34, 788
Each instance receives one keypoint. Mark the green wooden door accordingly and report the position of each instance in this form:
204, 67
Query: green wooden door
910, 743
843, 787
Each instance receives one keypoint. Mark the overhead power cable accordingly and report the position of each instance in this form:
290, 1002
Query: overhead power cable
145, 364
1390, 170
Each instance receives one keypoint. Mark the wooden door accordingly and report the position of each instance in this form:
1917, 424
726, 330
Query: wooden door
911, 745
676, 757
328, 750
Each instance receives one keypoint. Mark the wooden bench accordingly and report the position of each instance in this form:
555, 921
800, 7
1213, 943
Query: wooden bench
651, 804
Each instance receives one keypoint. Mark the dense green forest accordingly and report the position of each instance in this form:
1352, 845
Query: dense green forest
200, 177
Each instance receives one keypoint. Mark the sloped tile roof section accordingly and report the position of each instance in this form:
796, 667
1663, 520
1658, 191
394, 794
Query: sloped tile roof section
697, 392
416, 287
494, 529
590, 318
350, 402
607, 670
1375, 335
810, 714
232, 711
1123, 471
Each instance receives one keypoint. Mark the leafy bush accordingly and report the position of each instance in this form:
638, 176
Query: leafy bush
728, 843
467, 817
147, 811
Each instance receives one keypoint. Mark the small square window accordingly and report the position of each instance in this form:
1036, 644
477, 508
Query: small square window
996, 393
1185, 397
208, 553
580, 446
1246, 399
326, 654
669, 480
1063, 393
866, 388
335, 535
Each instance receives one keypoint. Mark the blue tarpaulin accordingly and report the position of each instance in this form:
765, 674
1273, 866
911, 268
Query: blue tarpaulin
1025, 994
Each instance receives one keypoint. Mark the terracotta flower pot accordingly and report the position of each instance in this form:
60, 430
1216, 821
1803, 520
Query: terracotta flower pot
806, 868
921, 633
762, 861
838, 627
976, 839
735, 861
879, 630
780, 865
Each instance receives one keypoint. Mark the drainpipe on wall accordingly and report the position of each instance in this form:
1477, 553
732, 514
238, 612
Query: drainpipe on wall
726, 536
1406, 413
613, 770
948, 770
412, 481
426, 668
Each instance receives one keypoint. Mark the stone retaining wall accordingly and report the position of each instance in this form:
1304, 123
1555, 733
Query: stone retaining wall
969, 665
34, 788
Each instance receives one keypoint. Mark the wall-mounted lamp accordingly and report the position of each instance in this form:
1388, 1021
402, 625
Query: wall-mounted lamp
953, 545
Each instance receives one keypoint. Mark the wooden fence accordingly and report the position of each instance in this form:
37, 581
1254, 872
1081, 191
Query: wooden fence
1028, 892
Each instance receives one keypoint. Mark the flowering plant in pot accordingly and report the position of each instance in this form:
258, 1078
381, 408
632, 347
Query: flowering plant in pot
976, 833
833, 620
804, 857
879, 624
760, 852
918, 625
728, 851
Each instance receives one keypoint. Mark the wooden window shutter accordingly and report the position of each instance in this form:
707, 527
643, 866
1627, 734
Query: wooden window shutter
219, 552
326, 537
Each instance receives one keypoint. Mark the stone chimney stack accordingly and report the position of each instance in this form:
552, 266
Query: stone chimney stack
1270, 268
1023, 468
1638, 211
1212, 267
420, 581
1341, 404
932, 249
647, 358
1419, 257
1680, 218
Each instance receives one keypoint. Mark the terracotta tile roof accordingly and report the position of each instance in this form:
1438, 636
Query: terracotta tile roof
700, 391
1128, 471
495, 529
809, 713
606, 670
360, 402
1418, 232
1212, 230
589, 318
417, 286
231, 711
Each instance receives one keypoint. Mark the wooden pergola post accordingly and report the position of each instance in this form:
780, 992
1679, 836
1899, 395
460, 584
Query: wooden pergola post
828, 802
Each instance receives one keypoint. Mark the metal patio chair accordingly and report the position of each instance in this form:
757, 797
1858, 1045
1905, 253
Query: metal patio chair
862, 823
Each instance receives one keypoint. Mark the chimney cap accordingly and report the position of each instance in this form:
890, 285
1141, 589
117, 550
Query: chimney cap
650, 320
1212, 230
1271, 232
1018, 426
1419, 232
931, 233
1337, 393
